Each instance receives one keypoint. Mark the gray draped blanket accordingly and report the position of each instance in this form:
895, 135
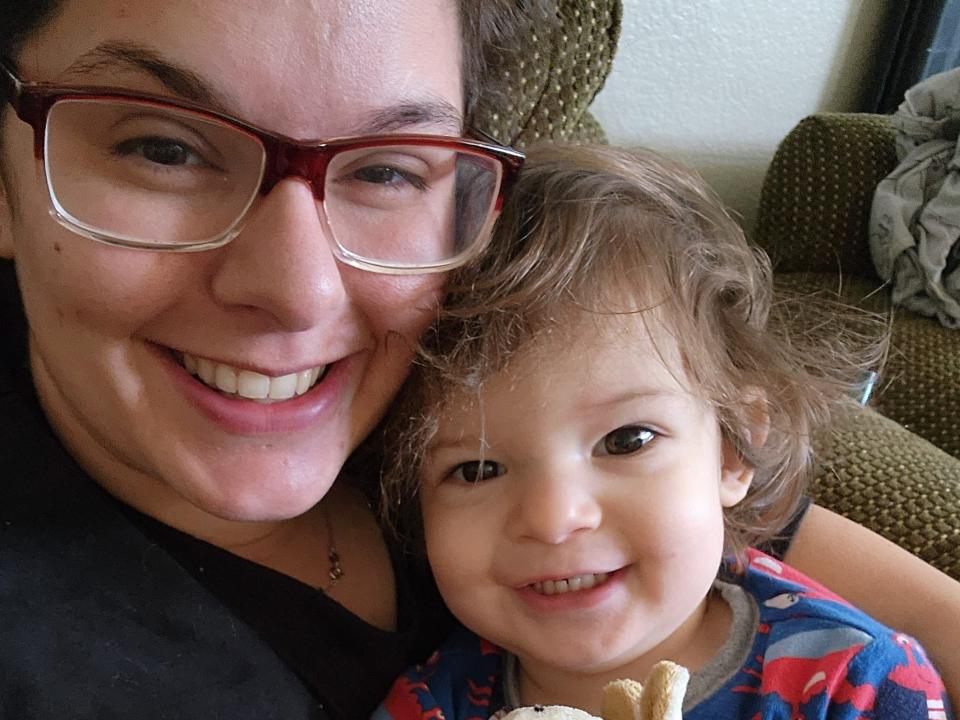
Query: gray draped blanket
915, 218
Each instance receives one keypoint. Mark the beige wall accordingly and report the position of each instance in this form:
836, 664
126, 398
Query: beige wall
718, 83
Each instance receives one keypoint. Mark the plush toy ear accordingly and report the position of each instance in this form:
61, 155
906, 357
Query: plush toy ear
663, 697
660, 698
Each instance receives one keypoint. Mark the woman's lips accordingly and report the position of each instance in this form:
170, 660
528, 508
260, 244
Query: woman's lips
242, 415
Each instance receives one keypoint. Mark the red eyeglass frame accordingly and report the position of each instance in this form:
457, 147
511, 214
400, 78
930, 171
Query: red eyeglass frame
283, 156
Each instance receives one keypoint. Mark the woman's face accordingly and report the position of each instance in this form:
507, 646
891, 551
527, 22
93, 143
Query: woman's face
110, 326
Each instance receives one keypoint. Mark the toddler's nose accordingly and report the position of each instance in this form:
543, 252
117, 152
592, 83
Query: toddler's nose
554, 506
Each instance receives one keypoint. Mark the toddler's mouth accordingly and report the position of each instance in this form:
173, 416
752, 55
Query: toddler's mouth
239, 383
570, 584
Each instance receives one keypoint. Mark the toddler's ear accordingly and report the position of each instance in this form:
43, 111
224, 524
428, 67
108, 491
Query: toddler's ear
736, 474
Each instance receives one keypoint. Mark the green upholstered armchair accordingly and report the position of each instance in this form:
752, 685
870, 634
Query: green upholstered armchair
896, 473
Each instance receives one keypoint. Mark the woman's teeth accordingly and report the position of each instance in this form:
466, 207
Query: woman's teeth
247, 383
570, 584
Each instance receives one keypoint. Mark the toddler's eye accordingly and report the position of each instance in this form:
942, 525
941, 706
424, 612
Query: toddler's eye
625, 440
476, 471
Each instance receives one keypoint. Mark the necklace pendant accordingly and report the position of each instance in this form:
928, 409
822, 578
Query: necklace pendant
336, 571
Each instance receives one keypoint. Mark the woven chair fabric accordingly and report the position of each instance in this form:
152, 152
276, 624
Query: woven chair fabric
879, 474
816, 197
920, 385
872, 469
550, 81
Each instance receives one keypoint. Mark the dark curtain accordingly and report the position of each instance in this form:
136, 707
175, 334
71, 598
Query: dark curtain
945, 52
905, 51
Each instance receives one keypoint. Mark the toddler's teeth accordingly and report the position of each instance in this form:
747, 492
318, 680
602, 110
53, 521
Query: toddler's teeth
571, 584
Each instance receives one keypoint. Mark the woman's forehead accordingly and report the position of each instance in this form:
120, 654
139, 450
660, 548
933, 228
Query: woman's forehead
307, 69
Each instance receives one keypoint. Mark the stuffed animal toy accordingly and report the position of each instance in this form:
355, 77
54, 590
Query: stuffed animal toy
660, 697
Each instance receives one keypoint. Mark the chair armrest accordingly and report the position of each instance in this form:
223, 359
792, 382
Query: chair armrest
816, 196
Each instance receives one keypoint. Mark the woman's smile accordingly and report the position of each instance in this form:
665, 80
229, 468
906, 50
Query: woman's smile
237, 382
245, 402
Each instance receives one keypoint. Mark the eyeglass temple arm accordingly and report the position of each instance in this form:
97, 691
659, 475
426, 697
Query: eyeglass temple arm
479, 134
27, 106
10, 84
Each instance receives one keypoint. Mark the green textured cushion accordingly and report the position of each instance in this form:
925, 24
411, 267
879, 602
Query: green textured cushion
817, 193
550, 81
882, 476
903, 485
920, 388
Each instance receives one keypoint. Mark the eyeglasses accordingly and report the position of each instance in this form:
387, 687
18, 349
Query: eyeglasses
147, 172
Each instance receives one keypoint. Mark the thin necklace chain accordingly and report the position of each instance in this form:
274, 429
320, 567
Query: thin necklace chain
335, 573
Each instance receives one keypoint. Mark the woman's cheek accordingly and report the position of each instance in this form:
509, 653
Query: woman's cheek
80, 284
397, 304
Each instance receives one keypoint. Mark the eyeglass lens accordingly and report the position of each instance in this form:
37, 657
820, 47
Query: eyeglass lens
150, 174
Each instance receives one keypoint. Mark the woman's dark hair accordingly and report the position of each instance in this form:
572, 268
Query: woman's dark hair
19, 19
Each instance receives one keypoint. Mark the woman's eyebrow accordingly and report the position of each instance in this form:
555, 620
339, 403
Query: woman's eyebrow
429, 111
188, 85
131, 56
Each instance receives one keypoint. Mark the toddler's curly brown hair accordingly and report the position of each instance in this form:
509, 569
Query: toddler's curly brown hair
596, 229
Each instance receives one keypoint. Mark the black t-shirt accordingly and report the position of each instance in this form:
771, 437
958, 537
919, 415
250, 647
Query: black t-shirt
345, 661
106, 613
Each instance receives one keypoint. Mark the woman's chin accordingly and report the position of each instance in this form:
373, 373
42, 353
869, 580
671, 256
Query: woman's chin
256, 487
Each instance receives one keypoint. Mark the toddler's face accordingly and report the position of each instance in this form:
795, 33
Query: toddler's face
588, 531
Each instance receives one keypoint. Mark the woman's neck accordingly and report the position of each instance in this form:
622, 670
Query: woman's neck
692, 645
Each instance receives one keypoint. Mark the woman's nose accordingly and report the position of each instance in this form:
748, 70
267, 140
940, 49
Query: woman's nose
281, 263
554, 505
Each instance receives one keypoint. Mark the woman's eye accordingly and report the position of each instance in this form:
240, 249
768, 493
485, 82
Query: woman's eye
388, 176
626, 440
160, 151
476, 471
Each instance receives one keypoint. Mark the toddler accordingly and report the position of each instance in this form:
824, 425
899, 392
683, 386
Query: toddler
610, 414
